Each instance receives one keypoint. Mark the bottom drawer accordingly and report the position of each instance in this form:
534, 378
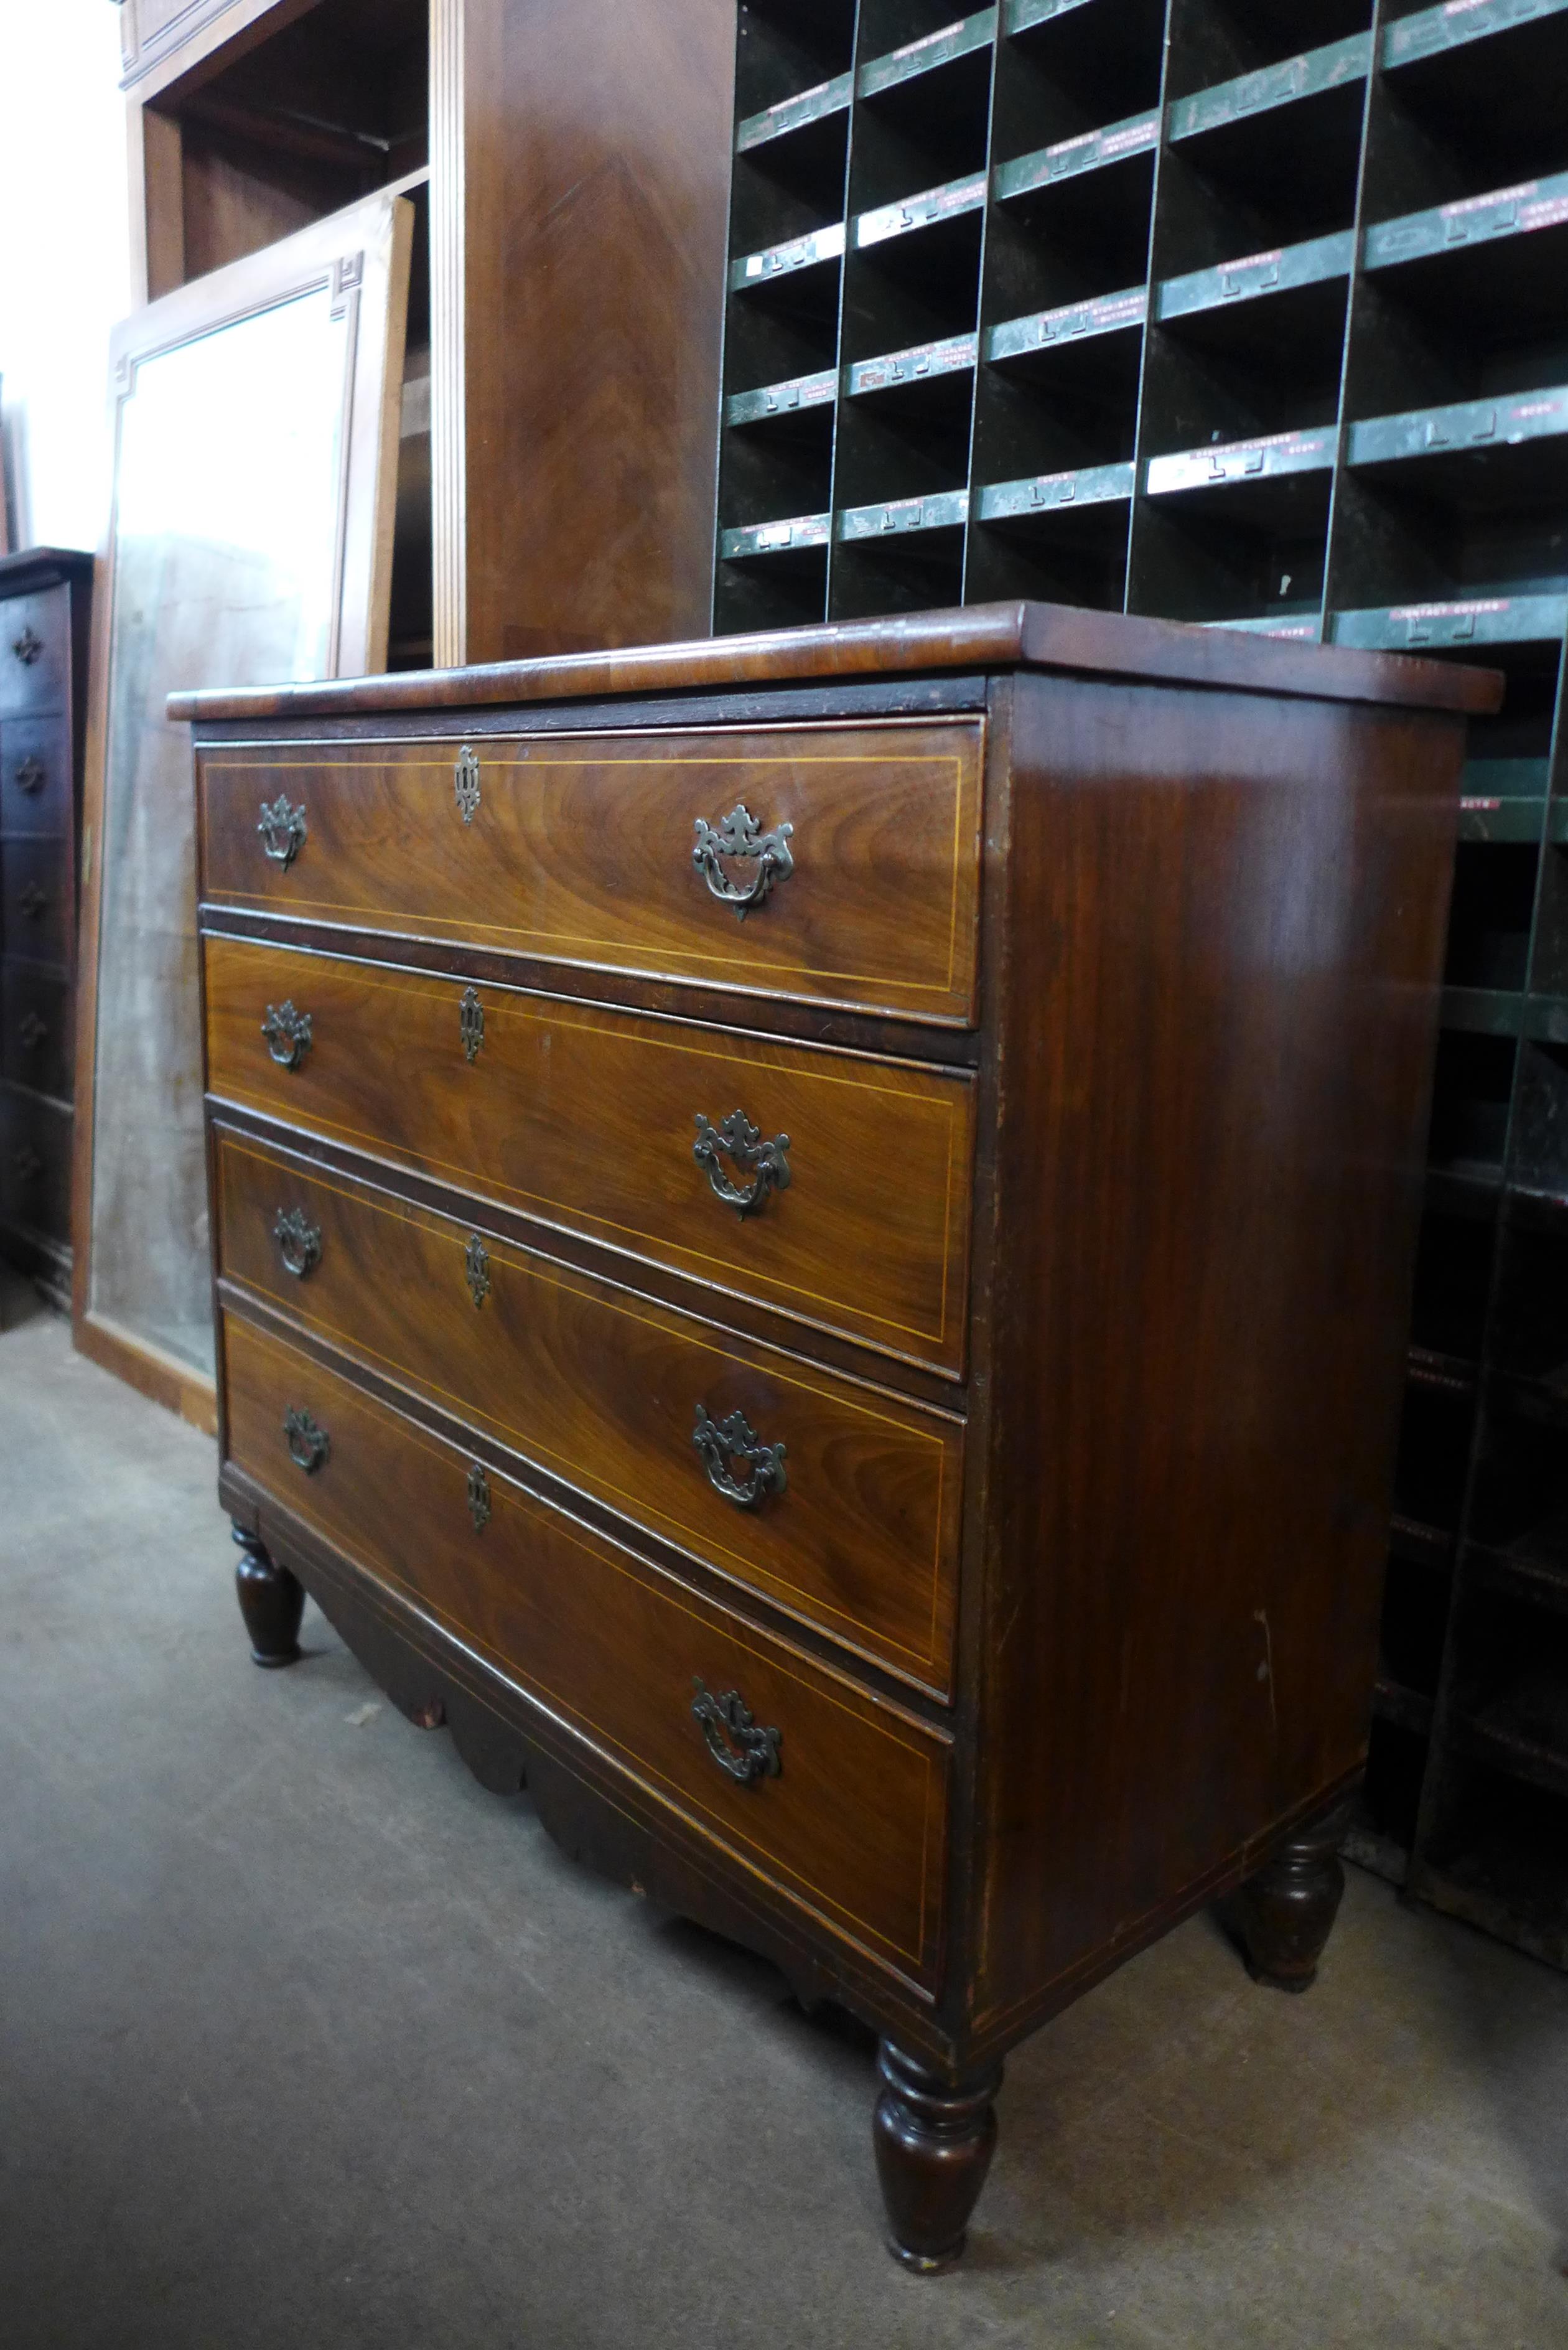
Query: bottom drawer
35, 1164
852, 1822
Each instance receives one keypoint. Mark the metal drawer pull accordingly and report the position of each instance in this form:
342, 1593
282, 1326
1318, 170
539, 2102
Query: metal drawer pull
298, 1242
721, 1442
479, 1497
34, 901
476, 1268
734, 1741
31, 1032
27, 647
465, 784
282, 830
31, 774
287, 1033
744, 1143
309, 1445
742, 838
471, 1024
26, 1164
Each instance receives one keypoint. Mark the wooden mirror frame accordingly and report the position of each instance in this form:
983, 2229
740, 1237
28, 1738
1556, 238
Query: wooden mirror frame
362, 254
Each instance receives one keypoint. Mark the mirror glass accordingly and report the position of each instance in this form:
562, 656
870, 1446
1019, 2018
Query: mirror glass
228, 499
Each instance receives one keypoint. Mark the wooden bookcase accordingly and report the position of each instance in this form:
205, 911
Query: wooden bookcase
1249, 313
557, 486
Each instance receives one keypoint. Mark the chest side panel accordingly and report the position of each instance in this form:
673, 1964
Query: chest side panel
1225, 933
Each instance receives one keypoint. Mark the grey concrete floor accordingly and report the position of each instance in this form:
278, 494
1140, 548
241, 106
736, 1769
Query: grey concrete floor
303, 2039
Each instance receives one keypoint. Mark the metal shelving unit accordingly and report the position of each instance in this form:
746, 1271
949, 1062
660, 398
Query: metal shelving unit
1250, 313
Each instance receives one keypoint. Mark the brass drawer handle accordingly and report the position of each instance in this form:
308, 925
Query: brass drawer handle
34, 901
26, 1164
768, 1162
287, 1033
476, 1269
31, 1032
309, 1445
724, 1440
282, 829
31, 774
471, 1024
465, 784
298, 1242
740, 837
479, 1497
738, 1745
27, 647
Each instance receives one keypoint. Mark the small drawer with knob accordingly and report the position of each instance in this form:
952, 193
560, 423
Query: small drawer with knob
35, 907
35, 653
36, 1165
831, 1186
35, 774
36, 1028
833, 1797
833, 1498
830, 863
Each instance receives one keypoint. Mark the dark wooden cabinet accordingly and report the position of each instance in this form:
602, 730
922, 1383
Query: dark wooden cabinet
45, 595
813, 1244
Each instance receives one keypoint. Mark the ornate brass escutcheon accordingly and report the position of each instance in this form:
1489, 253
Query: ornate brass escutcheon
298, 1242
465, 784
471, 1024
479, 1497
31, 1032
287, 1033
26, 1164
282, 830
309, 1445
737, 1138
738, 1745
34, 901
721, 1442
476, 1267
31, 774
741, 838
27, 647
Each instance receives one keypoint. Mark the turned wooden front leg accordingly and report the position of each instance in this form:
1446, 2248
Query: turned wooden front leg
271, 1601
1286, 1910
934, 2144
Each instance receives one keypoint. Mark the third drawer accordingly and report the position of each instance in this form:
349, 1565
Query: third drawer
854, 1524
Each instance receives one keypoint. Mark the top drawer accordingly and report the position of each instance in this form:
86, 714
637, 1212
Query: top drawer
839, 864
35, 653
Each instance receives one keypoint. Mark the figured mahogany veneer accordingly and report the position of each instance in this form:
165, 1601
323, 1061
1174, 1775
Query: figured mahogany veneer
578, 850
614, 1647
602, 1387
1081, 1318
587, 1120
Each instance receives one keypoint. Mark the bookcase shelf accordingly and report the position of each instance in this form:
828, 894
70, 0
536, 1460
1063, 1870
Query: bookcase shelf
1244, 312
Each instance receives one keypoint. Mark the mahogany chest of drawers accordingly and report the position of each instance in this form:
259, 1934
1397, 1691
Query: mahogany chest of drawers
45, 593
813, 1238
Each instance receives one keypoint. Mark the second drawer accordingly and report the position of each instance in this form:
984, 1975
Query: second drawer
854, 1524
